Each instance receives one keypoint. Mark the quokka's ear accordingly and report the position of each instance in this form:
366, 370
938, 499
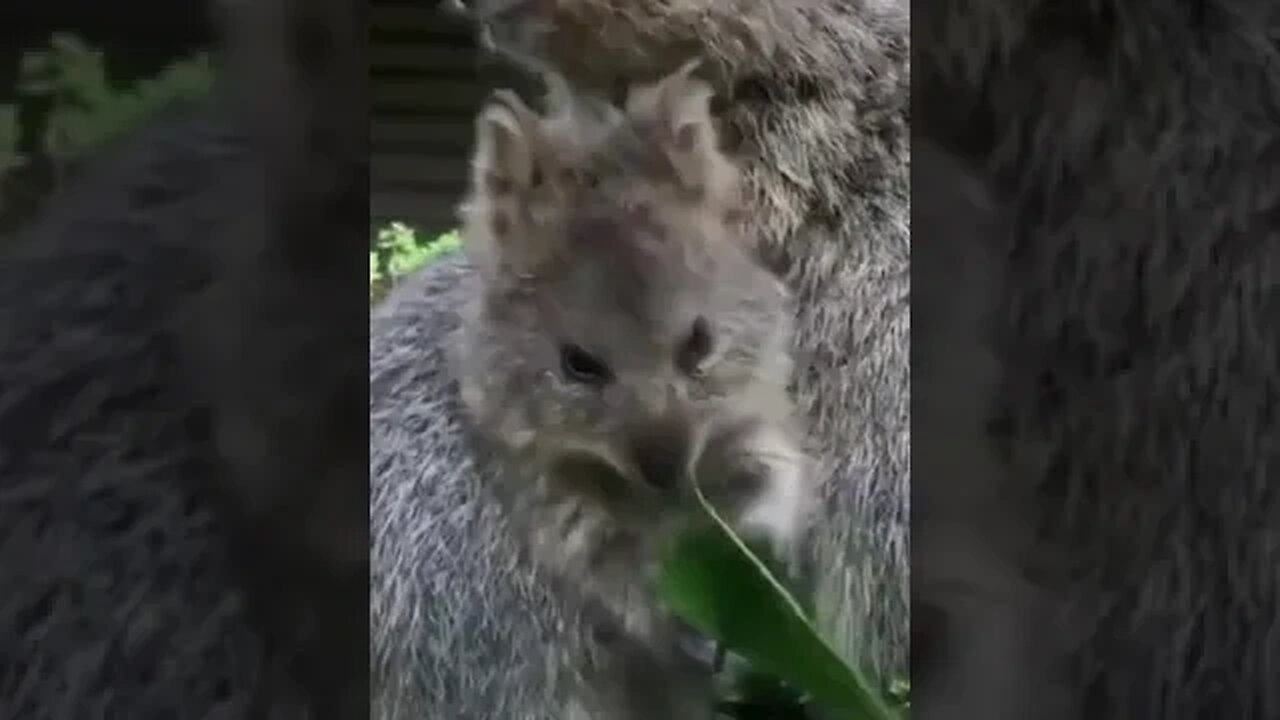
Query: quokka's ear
515, 188
506, 149
678, 110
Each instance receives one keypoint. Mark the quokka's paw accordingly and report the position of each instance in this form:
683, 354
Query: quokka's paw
755, 474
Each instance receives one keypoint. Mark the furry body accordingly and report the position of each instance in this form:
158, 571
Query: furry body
826, 153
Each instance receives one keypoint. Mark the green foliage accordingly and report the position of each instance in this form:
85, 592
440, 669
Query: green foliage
398, 250
721, 587
88, 111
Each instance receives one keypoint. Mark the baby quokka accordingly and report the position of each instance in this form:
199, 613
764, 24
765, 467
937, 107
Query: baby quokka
621, 343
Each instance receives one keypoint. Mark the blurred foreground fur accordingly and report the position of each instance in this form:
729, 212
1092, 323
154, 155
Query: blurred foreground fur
816, 108
1136, 146
175, 422
972, 606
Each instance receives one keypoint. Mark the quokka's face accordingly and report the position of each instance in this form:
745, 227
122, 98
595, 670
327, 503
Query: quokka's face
618, 313
616, 363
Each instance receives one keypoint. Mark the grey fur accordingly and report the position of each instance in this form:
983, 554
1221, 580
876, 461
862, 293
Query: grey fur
458, 622
1139, 326
448, 574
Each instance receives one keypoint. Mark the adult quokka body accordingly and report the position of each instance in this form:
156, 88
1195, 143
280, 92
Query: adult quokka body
815, 110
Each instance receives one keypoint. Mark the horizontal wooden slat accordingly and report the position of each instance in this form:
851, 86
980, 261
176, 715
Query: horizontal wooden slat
427, 81
432, 212
432, 96
418, 171
427, 147
418, 20
424, 57
435, 135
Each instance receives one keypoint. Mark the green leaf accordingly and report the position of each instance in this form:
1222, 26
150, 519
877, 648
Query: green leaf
712, 580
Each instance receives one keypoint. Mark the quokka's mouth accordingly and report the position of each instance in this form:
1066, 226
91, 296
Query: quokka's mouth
593, 476
652, 465
731, 494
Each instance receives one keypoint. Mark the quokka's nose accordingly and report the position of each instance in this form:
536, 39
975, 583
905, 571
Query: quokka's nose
661, 454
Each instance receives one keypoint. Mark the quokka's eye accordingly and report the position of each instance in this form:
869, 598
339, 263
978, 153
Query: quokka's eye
696, 347
581, 366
